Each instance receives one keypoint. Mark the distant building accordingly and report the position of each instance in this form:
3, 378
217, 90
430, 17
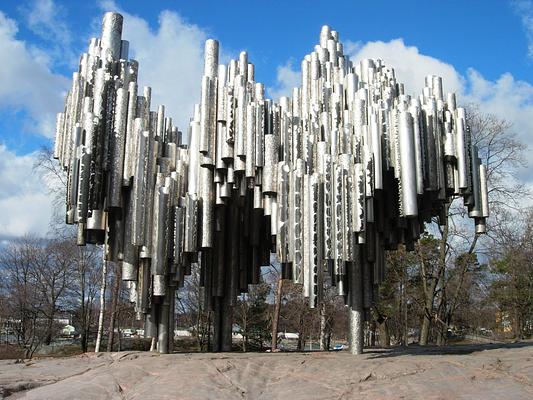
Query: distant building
68, 330
182, 333
288, 335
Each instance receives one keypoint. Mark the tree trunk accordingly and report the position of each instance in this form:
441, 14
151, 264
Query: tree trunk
209, 314
440, 336
114, 302
301, 337
442, 329
429, 294
200, 331
405, 331
373, 333
84, 334
384, 336
518, 326
119, 336
49, 328
323, 327
424, 330
83, 340
275, 317
102, 304
83, 318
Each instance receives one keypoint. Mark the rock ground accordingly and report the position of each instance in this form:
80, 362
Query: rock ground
456, 372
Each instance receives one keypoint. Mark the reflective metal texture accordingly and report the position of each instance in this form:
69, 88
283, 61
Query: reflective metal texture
327, 179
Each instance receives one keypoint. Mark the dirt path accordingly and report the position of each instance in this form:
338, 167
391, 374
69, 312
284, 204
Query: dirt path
458, 372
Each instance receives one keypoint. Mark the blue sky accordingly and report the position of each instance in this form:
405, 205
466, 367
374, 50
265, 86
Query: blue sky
483, 50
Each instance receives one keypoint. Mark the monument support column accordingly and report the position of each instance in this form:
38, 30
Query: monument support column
356, 318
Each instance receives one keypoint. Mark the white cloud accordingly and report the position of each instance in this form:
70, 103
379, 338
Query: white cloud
509, 99
46, 19
28, 85
25, 203
286, 79
26, 81
525, 9
505, 97
351, 47
170, 60
410, 66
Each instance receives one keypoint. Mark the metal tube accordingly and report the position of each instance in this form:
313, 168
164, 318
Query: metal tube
408, 204
250, 140
112, 34
327, 178
206, 197
117, 148
271, 161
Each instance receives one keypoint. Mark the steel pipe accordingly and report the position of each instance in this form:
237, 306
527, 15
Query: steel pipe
326, 179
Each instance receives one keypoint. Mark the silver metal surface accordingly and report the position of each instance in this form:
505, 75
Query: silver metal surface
112, 33
408, 192
271, 161
329, 177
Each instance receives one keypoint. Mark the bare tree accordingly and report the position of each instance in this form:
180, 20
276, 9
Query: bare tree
191, 305
332, 315
512, 287
400, 297
84, 288
52, 272
296, 316
503, 154
117, 277
103, 289
253, 315
22, 307
275, 316
55, 179
35, 273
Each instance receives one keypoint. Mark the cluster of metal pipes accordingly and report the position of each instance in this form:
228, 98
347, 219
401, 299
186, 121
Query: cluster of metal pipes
328, 179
